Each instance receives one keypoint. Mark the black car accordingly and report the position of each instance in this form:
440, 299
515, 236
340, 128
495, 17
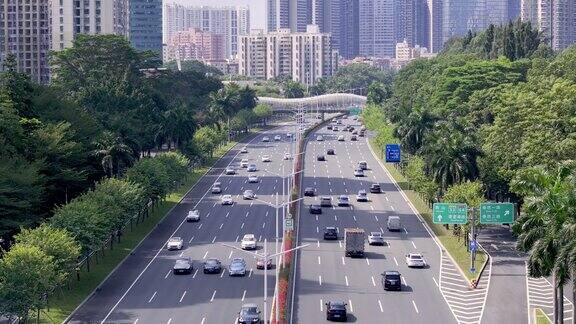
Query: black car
183, 266
375, 188
336, 311
309, 192
391, 280
320, 158
330, 152
329, 127
212, 266
249, 313
315, 209
330, 233
353, 138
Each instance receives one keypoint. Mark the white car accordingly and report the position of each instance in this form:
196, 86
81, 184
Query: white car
244, 163
375, 238
287, 156
244, 150
230, 170
289, 135
253, 179
277, 138
265, 139
415, 260
341, 138
249, 194
216, 188
319, 138
193, 216
248, 242
175, 243
265, 158
227, 200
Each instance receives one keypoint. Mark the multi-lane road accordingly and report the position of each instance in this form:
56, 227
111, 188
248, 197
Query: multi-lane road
325, 274
144, 290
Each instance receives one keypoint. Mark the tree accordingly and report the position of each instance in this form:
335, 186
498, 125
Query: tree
22, 291
293, 89
55, 243
177, 125
378, 92
111, 151
263, 112
414, 129
206, 139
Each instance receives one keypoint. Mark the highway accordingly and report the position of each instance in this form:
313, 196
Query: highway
143, 289
325, 274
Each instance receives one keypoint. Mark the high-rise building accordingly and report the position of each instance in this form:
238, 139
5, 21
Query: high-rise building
25, 33
513, 10
231, 22
340, 19
292, 14
435, 10
556, 19
195, 44
278, 14
305, 57
145, 31
377, 28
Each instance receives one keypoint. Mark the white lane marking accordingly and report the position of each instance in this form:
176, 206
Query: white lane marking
181, 253
415, 308
404, 281
367, 261
228, 213
248, 213
264, 225
316, 217
321, 305
243, 295
214, 205
267, 213
241, 227
221, 225
373, 281
392, 207
182, 298
387, 199
250, 273
381, 230
319, 261
335, 218
214, 240
436, 282
208, 214
213, 295
237, 237
340, 243
351, 306
317, 230
380, 305
251, 203
151, 298
205, 255
169, 321
395, 261
346, 279
376, 217
203, 320
230, 255
195, 273
191, 239
405, 230
318, 243
494, 246
414, 245
354, 216
320, 280
136, 321
167, 274
223, 272
343, 261
200, 226
260, 238
371, 207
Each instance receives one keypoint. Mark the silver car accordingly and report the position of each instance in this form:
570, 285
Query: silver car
253, 179
375, 238
227, 200
249, 194
230, 170
252, 168
358, 173
415, 260
237, 267
249, 313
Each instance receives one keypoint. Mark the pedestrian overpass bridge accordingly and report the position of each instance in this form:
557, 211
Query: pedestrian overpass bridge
322, 103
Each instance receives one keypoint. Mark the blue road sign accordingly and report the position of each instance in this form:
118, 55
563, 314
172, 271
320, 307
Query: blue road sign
472, 270
393, 153
473, 246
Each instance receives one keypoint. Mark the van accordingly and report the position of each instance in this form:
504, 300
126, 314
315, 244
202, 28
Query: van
393, 224
325, 201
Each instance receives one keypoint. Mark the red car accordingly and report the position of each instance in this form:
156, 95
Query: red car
260, 264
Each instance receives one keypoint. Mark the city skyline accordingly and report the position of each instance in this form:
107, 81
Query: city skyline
257, 8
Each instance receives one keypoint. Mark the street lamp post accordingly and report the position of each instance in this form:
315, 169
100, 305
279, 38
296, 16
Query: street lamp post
265, 257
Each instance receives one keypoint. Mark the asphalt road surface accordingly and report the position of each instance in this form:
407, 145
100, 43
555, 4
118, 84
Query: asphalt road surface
144, 290
325, 274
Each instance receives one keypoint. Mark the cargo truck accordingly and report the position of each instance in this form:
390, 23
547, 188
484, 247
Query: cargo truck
354, 242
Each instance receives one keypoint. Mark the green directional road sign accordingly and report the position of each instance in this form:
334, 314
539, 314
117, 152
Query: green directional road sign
497, 213
288, 224
444, 213
355, 111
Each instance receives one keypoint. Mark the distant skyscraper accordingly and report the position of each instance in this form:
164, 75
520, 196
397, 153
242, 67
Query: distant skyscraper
145, 32
513, 9
195, 44
340, 19
231, 22
435, 22
292, 14
556, 19
377, 28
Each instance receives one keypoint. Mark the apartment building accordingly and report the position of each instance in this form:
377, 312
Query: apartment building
195, 44
145, 31
305, 57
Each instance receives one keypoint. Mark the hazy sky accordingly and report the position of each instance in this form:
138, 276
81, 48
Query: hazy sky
257, 8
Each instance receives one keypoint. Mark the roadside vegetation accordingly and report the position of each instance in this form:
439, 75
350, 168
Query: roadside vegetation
91, 162
492, 118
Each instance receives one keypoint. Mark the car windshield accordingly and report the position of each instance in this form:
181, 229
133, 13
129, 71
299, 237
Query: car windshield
392, 277
330, 230
175, 239
343, 198
249, 311
227, 197
415, 257
376, 234
249, 238
182, 262
212, 262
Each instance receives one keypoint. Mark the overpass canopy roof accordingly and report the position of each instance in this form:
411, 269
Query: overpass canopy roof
326, 100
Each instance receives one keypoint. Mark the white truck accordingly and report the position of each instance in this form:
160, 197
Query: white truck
354, 239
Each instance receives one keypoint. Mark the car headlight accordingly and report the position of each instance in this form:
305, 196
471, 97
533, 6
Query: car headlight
241, 319
255, 320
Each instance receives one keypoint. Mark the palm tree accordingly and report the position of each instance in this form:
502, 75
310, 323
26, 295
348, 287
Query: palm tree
177, 126
412, 133
111, 150
547, 220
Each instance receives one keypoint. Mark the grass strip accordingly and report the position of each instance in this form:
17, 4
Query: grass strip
541, 317
453, 244
63, 303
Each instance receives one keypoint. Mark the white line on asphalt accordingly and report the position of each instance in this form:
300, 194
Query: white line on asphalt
436, 282
213, 295
354, 216
404, 281
195, 273
226, 188
167, 274
214, 205
203, 320
241, 227
373, 281
251, 203
392, 207
381, 230
228, 213
264, 225
207, 214
380, 304
243, 295
387, 199
267, 213
340, 243
250, 273
181, 253
319, 261
182, 298
343, 261
223, 272
169, 321
260, 238
405, 230
494, 246
321, 305
191, 239
395, 261
318, 243
414, 245
237, 237
335, 218
248, 212
367, 261
316, 217
415, 308
346, 279
320, 280
371, 207
200, 226
351, 306
317, 230
153, 295
214, 240
330, 189
221, 225
230, 255
136, 321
